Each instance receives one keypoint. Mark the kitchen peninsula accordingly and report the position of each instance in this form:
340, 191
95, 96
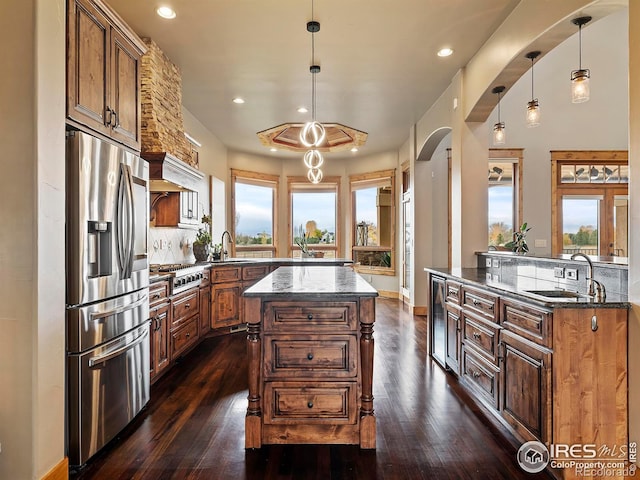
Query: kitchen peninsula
544, 359
310, 346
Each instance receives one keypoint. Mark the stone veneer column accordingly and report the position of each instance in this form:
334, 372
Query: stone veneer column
161, 94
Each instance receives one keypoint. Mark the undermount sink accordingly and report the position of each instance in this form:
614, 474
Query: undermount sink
555, 293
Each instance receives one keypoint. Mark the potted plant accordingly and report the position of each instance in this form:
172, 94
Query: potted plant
519, 242
202, 243
301, 241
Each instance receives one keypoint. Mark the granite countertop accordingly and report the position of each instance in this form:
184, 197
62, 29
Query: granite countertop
324, 282
518, 290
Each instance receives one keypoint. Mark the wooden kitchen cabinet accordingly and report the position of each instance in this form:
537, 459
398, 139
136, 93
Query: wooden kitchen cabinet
226, 305
205, 304
453, 339
103, 72
185, 321
159, 314
526, 387
177, 209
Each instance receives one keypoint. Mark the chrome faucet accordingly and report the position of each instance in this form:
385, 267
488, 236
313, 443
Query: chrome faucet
225, 252
594, 288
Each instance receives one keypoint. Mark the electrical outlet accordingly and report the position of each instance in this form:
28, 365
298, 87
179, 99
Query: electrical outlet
571, 273
558, 272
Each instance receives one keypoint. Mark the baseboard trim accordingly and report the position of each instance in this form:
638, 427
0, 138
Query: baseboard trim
420, 311
59, 472
389, 294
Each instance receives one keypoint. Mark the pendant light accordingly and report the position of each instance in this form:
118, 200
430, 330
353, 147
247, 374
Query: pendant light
498, 128
533, 107
580, 78
313, 132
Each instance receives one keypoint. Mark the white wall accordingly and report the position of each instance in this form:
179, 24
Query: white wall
32, 299
599, 124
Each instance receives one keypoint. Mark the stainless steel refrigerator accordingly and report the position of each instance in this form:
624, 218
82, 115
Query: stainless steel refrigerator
107, 298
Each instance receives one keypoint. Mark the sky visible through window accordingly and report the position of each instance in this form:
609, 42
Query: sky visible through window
254, 209
366, 210
314, 206
500, 205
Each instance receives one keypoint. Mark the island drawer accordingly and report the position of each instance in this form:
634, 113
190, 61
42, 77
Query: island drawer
480, 301
452, 290
527, 321
482, 334
226, 274
184, 306
481, 376
313, 356
184, 337
334, 317
310, 402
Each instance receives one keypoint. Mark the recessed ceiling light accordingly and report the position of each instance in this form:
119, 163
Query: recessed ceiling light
166, 12
354, 149
302, 110
273, 149
445, 52
238, 100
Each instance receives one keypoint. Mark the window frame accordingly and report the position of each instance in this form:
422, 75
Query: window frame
262, 180
301, 184
372, 177
608, 192
516, 157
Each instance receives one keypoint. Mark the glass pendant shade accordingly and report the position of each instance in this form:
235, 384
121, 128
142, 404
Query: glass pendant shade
580, 86
313, 159
312, 134
533, 113
314, 175
499, 136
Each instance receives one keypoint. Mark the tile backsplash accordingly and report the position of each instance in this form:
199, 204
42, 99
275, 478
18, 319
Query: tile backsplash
171, 245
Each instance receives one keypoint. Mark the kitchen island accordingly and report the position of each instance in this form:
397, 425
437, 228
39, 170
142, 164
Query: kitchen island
310, 347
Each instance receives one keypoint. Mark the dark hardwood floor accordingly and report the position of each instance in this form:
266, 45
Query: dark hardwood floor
193, 427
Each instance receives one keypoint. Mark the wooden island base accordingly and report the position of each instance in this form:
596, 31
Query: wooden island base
310, 352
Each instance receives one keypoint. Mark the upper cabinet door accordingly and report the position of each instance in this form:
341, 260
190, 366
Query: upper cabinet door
88, 50
103, 72
125, 90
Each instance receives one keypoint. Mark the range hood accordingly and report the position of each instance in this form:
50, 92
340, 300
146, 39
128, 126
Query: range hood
169, 174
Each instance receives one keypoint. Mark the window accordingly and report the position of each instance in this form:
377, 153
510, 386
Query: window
590, 202
313, 211
373, 225
504, 205
254, 204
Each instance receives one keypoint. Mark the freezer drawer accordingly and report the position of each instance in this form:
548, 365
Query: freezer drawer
107, 386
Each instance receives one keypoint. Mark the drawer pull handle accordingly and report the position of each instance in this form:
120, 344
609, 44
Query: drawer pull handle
475, 374
310, 404
157, 295
310, 316
310, 356
188, 334
186, 305
490, 307
476, 302
476, 335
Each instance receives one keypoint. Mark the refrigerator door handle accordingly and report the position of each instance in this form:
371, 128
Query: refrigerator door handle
125, 222
122, 308
105, 357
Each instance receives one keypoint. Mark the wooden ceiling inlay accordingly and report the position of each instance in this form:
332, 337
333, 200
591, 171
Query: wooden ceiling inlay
287, 136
